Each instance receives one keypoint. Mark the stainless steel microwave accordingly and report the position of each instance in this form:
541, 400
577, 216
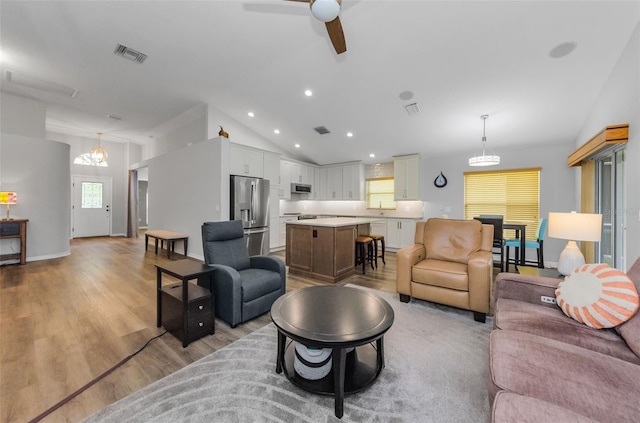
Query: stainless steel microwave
300, 188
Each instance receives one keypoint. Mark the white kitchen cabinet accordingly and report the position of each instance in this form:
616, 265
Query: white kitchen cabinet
301, 173
379, 227
353, 182
400, 233
283, 230
246, 161
285, 180
334, 183
271, 165
406, 177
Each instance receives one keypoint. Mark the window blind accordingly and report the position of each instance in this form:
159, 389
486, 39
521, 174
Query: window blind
380, 194
514, 194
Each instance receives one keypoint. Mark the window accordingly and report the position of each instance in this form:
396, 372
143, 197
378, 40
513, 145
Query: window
380, 194
86, 160
91, 195
513, 194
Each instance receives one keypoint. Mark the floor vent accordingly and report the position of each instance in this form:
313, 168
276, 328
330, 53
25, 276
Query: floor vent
322, 130
412, 109
129, 53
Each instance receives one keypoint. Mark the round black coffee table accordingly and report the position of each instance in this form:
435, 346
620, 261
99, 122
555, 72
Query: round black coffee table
340, 318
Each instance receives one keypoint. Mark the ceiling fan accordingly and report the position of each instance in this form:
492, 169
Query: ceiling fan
327, 11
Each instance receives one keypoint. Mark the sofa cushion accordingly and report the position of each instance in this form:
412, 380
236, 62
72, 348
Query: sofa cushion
446, 274
583, 381
515, 408
630, 330
552, 323
598, 296
452, 240
257, 283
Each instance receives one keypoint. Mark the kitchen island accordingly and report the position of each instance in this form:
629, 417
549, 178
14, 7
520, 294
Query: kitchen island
324, 249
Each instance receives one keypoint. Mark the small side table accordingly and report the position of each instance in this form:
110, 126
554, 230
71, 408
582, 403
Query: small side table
186, 310
169, 236
15, 228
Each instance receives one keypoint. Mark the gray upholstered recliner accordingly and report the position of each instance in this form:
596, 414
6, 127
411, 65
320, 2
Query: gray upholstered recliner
243, 287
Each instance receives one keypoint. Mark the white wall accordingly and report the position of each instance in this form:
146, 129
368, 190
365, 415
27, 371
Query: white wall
38, 170
116, 170
556, 184
188, 187
619, 102
179, 132
22, 116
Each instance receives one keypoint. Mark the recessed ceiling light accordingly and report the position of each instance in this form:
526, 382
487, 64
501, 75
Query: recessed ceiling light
276, 131
372, 155
250, 114
296, 145
349, 134
308, 93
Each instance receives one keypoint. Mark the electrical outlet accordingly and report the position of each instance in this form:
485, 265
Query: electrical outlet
548, 300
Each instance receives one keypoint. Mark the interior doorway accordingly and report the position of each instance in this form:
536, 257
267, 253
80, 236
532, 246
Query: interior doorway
91, 206
143, 198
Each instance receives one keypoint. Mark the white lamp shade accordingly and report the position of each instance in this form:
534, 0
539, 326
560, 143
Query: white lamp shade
575, 226
484, 160
325, 10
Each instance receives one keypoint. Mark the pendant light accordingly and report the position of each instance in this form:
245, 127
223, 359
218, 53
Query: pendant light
98, 154
484, 160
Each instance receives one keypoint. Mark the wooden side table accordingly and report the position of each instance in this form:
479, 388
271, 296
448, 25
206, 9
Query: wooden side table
17, 229
169, 236
185, 309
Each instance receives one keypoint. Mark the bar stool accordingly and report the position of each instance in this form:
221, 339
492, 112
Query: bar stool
363, 242
376, 238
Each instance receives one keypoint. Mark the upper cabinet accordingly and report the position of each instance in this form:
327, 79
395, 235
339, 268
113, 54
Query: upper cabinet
302, 174
246, 161
285, 180
271, 165
353, 182
334, 183
406, 174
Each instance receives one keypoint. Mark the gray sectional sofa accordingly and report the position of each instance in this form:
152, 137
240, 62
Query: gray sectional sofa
547, 367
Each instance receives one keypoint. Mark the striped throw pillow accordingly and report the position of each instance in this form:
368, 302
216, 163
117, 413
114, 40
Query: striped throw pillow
598, 296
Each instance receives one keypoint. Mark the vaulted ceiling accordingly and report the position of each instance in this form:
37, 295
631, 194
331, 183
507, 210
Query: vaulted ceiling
457, 60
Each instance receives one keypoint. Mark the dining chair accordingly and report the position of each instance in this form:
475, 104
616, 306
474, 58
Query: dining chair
537, 244
498, 238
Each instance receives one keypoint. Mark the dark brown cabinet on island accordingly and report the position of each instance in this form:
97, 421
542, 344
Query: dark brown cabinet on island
324, 252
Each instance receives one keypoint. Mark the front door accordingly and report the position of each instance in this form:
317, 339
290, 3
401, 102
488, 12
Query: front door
91, 209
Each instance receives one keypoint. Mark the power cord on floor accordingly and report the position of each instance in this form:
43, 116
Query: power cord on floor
93, 382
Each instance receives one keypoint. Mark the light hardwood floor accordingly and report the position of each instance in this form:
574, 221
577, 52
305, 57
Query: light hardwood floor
65, 321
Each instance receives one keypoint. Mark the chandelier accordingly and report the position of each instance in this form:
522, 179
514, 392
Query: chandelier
98, 154
484, 160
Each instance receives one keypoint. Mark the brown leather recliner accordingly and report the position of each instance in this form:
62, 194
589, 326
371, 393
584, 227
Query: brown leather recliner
449, 263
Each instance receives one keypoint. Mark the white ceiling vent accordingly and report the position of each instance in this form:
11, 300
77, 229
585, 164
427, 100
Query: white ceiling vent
322, 130
40, 84
129, 53
412, 109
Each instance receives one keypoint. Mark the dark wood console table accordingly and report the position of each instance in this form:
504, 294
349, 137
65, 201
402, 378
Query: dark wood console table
15, 228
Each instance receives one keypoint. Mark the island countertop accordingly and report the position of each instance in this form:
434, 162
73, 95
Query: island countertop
332, 222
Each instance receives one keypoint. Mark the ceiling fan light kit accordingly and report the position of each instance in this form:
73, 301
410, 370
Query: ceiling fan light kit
328, 11
484, 160
325, 10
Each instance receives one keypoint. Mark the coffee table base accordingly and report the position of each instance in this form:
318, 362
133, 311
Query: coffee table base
361, 368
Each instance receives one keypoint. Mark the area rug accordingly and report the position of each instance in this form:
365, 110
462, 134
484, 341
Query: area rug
436, 371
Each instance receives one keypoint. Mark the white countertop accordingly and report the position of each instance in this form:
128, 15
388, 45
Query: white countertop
332, 222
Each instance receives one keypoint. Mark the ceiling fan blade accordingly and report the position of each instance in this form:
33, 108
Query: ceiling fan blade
334, 28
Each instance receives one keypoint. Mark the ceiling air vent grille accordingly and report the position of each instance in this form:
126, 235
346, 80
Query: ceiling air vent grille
129, 53
412, 109
322, 130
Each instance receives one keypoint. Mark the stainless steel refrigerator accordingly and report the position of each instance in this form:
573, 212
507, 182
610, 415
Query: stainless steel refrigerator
250, 203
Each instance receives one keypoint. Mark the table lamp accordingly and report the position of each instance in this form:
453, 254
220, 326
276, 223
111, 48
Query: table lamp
8, 198
574, 227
